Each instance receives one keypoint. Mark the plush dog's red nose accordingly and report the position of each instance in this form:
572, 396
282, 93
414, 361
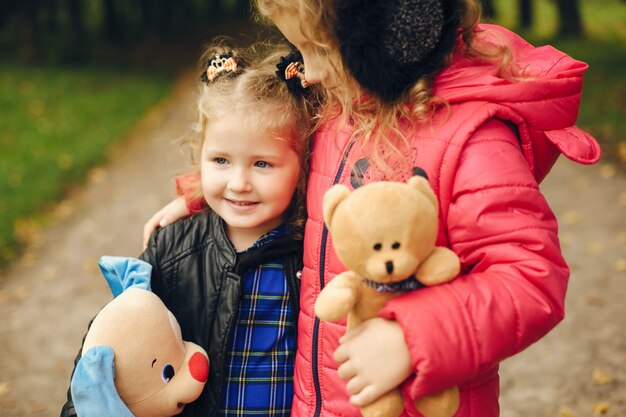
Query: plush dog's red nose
199, 367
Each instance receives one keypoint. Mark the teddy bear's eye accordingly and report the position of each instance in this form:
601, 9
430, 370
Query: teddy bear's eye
168, 373
396, 245
378, 246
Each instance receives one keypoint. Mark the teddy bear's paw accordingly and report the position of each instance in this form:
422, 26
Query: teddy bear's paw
389, 405
443, 404
334, 304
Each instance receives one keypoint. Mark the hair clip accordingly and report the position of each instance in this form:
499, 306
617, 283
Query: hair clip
290, 69
220, 64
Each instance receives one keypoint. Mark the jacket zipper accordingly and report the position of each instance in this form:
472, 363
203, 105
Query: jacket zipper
316, 323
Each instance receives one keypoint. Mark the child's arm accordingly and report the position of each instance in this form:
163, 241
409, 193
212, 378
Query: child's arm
187, 202
514, 278
174, 210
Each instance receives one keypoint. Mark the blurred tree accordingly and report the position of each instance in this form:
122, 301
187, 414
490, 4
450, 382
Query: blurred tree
525, 14
26, 24
76, 42
110, 23
570, 24
489, 10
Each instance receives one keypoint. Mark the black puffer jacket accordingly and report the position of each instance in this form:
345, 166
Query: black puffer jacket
197, 274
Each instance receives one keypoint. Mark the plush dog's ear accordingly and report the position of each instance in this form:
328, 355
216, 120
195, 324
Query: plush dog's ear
421, 184
335, 195
93, 387
122, 273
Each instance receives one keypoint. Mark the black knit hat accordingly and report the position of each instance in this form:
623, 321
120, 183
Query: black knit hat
389, 44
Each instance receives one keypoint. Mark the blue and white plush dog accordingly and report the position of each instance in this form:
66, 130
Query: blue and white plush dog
134, 361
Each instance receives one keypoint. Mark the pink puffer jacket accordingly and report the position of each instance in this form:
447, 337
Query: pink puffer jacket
484, 162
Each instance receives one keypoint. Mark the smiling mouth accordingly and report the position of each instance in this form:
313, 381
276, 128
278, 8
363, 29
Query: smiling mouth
241, 203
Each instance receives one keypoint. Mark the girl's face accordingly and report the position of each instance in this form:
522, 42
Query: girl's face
316, 65
248, 176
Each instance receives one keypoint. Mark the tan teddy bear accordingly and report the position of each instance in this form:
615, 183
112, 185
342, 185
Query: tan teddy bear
384, 233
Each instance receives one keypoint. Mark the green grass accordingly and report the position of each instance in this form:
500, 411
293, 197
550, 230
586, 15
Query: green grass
55, 124
603, 107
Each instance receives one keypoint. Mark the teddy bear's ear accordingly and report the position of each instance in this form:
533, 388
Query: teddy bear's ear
122, 273
335, 195
93, 387
421, 184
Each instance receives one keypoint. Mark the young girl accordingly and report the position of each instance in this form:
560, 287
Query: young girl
229, 274
418, 85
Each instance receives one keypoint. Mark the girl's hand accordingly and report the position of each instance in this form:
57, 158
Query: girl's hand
374, 358
173, 211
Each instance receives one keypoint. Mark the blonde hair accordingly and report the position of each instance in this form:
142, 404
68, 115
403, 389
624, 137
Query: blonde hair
377, 123
256, 94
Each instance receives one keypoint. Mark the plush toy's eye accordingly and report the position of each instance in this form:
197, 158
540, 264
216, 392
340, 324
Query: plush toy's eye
168, 373
396, 245
378, 246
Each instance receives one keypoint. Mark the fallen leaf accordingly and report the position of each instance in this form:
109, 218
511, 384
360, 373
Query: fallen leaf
595, 300
565, 411
600, 408
571, 217
608, 171
621, 151
3, 296
21, 293
595, 247
4, 388
602, 377
97, 175
90, 266
37, 407
620, 265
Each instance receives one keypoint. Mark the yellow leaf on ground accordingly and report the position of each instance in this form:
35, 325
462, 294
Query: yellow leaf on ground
621, 151
571, 217
600, 408
602, 377
608, 171
595, 247
620, 265
4, 388
565, 411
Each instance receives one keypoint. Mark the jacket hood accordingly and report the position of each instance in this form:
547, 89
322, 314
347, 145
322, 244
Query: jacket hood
546, 100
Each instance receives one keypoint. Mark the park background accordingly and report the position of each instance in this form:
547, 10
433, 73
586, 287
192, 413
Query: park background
80, 80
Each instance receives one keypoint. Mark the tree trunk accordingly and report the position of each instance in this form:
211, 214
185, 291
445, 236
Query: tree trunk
489, 10
570, 24
76, 50
27, 31
525, 14
110, 29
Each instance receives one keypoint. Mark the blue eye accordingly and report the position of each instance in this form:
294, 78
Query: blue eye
262, 164
167, 373
220, 161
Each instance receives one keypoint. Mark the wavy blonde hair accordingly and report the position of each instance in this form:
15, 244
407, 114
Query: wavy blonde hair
260, 99
379, 124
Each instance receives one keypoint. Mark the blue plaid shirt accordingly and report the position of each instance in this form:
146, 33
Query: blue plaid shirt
263, 345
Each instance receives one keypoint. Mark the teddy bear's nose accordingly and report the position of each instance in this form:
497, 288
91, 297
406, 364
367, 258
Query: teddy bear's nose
389, 266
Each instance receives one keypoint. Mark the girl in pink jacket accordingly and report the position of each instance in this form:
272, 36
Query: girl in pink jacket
420, 86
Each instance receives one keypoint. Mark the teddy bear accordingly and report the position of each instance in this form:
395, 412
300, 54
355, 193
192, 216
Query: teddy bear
133, 359
384, 233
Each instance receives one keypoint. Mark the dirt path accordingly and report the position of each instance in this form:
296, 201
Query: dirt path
48, 297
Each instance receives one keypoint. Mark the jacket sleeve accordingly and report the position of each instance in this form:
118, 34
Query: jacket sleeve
512, 285
68, 408
188, 186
